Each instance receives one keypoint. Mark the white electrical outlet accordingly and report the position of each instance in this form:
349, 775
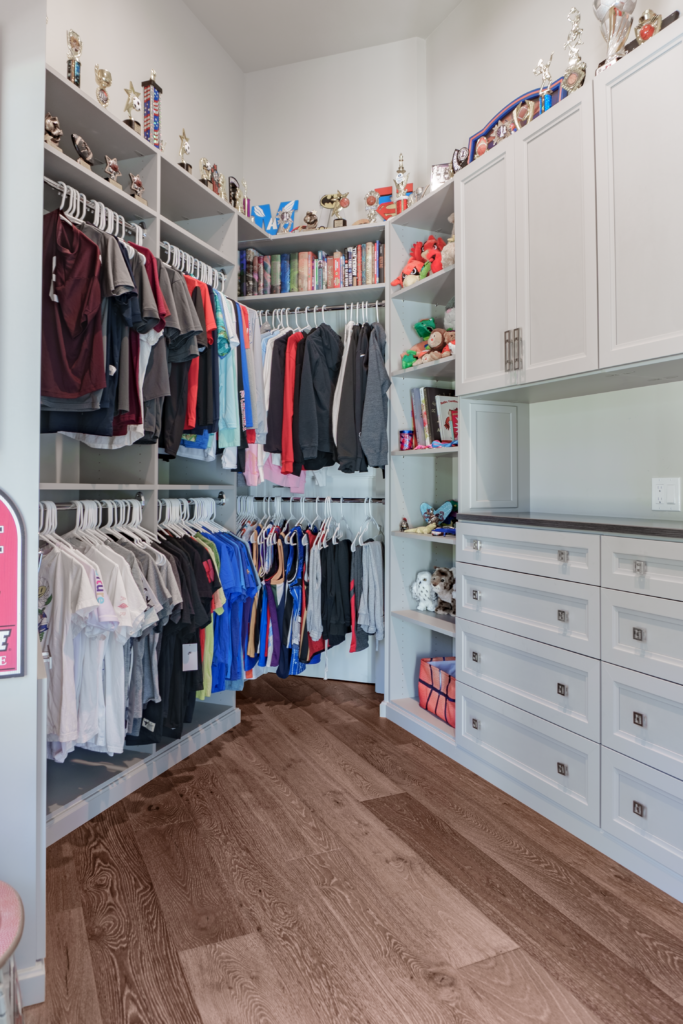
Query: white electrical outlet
666, 494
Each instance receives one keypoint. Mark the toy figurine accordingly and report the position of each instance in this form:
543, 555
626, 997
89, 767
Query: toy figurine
405, 525
443, 584
205, 176
85, 154
53, 130
111, 171
136, 187
422, 592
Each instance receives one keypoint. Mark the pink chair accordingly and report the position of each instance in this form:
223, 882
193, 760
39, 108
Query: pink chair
11, 928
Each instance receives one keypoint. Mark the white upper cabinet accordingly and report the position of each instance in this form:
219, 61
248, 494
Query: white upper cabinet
639, 156
485, 276
557, 293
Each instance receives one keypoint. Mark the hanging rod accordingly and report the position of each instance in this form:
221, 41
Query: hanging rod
63, 506
296, 498
220, 500
320, 309
90, 204
188, 263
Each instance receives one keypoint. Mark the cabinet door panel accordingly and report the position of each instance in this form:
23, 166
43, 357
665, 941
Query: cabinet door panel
640, 202
485, 281
557, 301
642, 717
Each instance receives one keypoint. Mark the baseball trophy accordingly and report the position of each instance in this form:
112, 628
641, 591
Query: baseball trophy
184, 153
615, 24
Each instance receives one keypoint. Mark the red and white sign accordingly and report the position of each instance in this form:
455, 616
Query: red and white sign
11, 589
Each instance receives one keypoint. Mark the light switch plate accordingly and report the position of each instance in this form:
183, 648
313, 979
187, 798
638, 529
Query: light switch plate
666, 494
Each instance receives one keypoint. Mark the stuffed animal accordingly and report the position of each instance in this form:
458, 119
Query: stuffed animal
431, 254
411, 272
449, 318
448, 253
443, 584
412, 355
440, 344
422, 592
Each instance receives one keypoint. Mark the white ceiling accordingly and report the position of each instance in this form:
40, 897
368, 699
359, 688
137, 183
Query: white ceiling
268, 33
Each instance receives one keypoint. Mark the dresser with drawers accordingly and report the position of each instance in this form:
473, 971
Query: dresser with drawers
569, 647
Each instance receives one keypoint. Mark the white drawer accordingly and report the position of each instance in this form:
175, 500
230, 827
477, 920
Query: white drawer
658, 831
659, 623
531, 751
564, 556
560, 686
532, 606
642, 717
643, 566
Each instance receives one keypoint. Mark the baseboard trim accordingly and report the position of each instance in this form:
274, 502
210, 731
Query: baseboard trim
32, 983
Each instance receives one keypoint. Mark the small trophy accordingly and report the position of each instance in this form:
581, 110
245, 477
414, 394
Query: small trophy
615, 20
545, 94
132, 108
246, 201
136, 187
215, 180
284, 218
575, 74
401, 182
234, 192
334, 202
525, 112
103, 79
184, 153
73, 64
151, 91
85, 155
221, 187
648, 25
53, 131
461, 158
205, 176
112, 172
310, 221
371, 204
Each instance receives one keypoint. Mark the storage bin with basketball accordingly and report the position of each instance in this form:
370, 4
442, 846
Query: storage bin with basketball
436, 688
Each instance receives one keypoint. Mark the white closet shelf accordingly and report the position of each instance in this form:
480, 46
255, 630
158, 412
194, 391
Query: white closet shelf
409, 708
315, 241
176, 234
435, 290
437, 369
246, 229
424, 537
193, 487
183, 197
79, 112
95, 487
426, 451
437, 623
61, 167
431, 213
329, 296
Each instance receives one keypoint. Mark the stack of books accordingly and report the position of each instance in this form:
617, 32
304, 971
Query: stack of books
435, 416
309, 271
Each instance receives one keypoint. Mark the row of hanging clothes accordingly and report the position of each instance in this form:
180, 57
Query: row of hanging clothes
133, 626
321, 582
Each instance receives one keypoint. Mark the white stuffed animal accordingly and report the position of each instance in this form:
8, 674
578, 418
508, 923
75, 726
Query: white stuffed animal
422, 592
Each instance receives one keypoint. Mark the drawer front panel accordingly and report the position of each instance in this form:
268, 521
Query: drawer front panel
643, 566
560, 555
642, 717
553, 611
559, 764
557, 685
643, 633
644, 808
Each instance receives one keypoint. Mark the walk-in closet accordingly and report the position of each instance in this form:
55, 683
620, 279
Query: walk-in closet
341, 536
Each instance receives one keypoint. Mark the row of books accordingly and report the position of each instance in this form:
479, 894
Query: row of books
309, 271
435, 415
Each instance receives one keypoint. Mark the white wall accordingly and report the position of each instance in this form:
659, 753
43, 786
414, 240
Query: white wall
335, 123
203, 87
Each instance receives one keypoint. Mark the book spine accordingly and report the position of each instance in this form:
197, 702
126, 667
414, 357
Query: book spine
243, 273
266, 275
417, 416
260, 276
369, 260
354, 268
284, 274
381, 262
376, 269
250, 271
336, 263
424, 407
361, 260
275, 274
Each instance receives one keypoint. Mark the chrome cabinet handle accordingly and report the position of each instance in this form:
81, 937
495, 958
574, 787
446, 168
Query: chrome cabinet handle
476, 595
562, 689
638, 718
508, 351
517, 347
639, 809
563, 556
640, 568
475, 723
475, 656
562, 616
639, 634
476, 545
562, 769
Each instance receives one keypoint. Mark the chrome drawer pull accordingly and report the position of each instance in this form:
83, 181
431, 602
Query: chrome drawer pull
475, 656
476, 595
476, 545
640, 568
639, 634
563, 556
517, 348
562, 616
508, 353
562, 769
475, 723
638, 719
639, 809
562, 689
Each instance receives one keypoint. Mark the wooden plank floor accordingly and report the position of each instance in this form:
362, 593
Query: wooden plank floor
318, 864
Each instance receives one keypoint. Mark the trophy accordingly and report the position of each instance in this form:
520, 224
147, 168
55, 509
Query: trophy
73, 65
525, 112
334, 201
136, 187
461, 158
284, 219
103, 79
221, 187
371, 203
246, 202
215, 179
151, 110
310, 221
132, 108
205, 176
401, 182
545, 94
234, 192
615, 24
648, 25
85, 156
575, 74
502, 131
112, 172
53, 130
184, 153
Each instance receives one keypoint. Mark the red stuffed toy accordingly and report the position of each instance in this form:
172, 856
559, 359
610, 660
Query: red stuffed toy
411, 272
431, 253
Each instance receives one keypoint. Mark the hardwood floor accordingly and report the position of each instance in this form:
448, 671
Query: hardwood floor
318, 864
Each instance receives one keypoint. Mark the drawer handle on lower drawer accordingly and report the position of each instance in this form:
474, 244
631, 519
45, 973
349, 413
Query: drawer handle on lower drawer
563, 556
639, 634
562, 769
638, 718
475, 656
475, 723
639, 809
476, 595
640, 568
562, 616
563, 689
476, 545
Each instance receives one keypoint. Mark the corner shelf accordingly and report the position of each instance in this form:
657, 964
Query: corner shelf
249, 233
437, 369
328, 239
434, 290
429, 620
426, 451
95, 487
431, 213
424, 537
407, 713
183, 197
197, 247
329, 296
61, 167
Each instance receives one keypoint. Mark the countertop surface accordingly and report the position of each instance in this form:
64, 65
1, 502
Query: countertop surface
670, 528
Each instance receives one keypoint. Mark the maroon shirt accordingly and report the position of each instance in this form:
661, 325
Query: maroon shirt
72, 352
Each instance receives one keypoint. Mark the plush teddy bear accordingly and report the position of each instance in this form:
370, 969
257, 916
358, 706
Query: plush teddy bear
443, 584
422, 592
439, 345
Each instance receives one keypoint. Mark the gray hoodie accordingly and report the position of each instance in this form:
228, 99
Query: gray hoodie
373, 435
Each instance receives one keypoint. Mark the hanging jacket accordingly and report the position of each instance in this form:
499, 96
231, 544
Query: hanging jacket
373, 436
319, 373
347, 438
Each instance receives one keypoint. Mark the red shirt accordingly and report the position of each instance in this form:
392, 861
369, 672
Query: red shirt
153, 275
288, 403
72, 360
